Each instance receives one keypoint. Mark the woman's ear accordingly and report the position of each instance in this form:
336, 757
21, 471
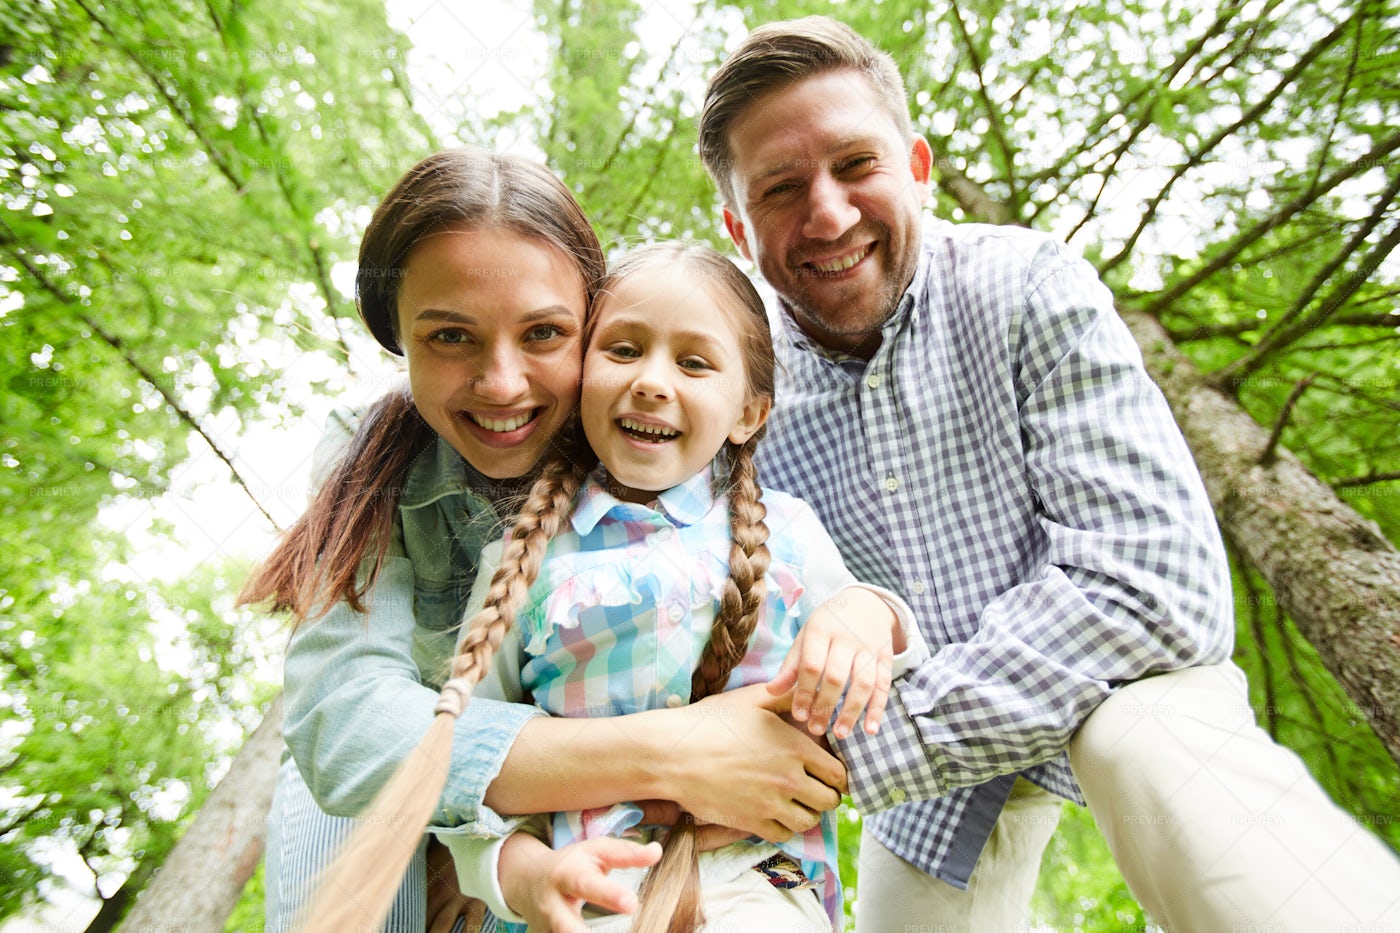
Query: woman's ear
751, 418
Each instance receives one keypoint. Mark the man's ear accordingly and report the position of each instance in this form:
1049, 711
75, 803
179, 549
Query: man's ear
735, 226
752, 418
921, 166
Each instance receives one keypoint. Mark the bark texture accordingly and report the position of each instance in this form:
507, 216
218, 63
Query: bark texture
1331, 569
202, 878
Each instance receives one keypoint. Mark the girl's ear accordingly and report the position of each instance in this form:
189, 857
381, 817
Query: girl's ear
751, 418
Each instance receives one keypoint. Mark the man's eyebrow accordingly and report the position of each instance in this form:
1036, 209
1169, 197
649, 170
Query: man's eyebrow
782, 168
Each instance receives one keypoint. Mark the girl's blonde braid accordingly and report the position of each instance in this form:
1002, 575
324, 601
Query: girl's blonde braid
359, 886
742, 599
670, 896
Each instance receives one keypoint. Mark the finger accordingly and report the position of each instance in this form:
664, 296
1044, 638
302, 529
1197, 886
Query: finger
863, 679
775, 703
787, 673
813, 661
562, 918
879, 698
837, 671
826, 774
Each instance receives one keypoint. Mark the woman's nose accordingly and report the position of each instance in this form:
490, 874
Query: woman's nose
503, 378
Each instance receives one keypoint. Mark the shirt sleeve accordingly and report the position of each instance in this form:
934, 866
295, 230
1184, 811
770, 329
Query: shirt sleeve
825, 576
1134, 582
355, 708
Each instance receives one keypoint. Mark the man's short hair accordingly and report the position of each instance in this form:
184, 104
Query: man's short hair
777, 55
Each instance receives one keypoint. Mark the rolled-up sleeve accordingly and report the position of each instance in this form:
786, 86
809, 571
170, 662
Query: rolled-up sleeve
355, 707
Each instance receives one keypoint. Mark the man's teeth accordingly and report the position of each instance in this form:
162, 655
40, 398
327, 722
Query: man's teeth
653, 429
502, 425
841, 265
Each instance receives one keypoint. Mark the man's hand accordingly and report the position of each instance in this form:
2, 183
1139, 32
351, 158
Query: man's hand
732, 761
549, 887
847, 645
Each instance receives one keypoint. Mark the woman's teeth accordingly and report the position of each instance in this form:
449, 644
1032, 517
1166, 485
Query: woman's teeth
503, 425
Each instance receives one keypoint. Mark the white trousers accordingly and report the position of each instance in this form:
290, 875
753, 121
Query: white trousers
1214, 826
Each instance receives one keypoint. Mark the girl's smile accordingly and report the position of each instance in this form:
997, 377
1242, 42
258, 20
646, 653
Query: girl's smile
664, 381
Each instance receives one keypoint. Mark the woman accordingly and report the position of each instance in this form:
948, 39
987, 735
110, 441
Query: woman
479, 269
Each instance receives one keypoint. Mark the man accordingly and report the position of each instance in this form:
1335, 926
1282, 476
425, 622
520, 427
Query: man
974, 425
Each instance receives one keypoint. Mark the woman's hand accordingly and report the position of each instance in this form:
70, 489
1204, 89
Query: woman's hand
549, 887
847, 645
732, 761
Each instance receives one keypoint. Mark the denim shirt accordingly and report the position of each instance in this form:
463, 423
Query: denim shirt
360, 688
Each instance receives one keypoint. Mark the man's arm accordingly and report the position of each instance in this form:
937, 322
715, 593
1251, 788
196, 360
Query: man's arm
1134, 580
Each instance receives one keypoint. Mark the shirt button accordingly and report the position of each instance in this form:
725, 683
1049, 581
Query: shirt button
873, 381
891, 483
675, 701
919, 586
676, 612
898, 795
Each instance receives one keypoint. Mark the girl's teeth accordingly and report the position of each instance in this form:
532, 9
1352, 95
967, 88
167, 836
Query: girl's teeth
502, 425
655, 429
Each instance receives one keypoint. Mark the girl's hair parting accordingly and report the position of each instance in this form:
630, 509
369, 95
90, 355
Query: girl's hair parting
360, 886
318, 562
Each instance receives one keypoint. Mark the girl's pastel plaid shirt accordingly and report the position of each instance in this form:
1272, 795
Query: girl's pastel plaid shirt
622, 612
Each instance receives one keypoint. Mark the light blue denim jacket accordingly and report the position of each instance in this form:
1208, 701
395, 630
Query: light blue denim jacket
360, 689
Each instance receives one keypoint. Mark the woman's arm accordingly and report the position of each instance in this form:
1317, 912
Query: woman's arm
729, 759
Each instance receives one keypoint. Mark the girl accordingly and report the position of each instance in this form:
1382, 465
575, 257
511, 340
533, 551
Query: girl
615, 616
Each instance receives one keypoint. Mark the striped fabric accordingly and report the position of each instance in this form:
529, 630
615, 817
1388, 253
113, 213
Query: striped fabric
1005, 464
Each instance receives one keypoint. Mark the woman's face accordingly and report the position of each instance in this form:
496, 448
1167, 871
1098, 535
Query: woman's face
491, 324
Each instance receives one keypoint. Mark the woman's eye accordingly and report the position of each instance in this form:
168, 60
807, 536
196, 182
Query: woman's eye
544, 332
450, 336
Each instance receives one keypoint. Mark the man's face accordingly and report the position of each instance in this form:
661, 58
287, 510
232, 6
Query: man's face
827, 198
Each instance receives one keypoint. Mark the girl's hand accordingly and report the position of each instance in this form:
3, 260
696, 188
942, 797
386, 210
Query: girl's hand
848, 644
549, 887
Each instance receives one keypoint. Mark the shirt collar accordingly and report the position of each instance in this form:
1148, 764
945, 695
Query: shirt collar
680, 505
440, 471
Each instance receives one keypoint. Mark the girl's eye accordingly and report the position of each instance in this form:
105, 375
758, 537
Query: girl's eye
695, 363
623, 351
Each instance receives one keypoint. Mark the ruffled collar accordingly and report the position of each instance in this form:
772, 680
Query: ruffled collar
680, 505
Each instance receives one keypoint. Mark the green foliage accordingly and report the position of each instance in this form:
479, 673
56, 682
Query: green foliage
177, 181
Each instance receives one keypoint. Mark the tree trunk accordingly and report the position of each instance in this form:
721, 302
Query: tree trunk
200, 883
1331, 569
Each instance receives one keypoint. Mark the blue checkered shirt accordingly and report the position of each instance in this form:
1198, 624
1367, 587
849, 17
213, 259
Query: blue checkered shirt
1005, 464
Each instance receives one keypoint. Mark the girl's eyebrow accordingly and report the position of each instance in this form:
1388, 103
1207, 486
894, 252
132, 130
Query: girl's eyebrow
637, 323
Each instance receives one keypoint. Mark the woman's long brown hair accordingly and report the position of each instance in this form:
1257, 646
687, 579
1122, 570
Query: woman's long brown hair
321, 560
360, 886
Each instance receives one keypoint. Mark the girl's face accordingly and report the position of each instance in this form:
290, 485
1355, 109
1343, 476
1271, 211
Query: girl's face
664, 382
491, 324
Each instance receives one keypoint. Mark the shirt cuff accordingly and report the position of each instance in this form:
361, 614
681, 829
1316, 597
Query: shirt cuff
915, 650
892, 766
480, 746
478, 870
